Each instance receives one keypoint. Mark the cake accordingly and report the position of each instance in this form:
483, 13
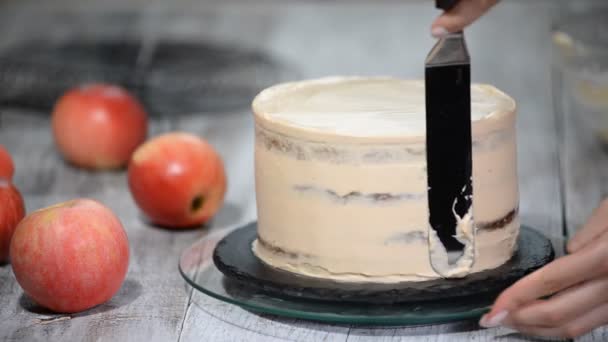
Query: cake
340, 175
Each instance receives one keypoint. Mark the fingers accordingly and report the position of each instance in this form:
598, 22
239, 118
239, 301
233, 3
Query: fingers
595, 226
564, 307
560, 274
583, 324
580, 278
462, 15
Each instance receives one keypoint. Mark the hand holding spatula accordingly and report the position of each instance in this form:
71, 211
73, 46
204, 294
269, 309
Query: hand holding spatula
459, 15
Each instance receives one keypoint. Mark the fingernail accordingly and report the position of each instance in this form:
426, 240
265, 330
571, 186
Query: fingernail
439, 32
496, 320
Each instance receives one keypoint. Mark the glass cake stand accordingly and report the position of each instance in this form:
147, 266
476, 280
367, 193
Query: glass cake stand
198, 269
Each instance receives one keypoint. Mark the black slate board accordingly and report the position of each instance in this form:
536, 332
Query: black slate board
234, 258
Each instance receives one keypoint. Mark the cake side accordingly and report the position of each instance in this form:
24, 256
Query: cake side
356, 209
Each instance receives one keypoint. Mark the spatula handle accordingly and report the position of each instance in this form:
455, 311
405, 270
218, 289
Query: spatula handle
445, 4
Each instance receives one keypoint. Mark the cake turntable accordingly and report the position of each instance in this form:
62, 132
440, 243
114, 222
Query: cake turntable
223, 266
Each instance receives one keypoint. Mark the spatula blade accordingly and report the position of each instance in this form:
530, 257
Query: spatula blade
448, 137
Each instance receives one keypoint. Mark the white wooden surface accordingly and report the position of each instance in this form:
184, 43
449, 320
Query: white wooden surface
510, 48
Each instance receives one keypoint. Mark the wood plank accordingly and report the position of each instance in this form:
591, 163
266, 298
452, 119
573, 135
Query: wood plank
462, 331
210, 319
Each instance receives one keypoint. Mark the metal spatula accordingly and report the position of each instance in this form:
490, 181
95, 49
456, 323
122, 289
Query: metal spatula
448, 134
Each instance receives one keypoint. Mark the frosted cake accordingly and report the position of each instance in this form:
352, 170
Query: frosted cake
340, 173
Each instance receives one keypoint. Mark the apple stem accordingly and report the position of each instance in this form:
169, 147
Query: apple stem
197, 203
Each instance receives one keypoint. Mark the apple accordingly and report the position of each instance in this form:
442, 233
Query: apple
177, 180
12, 210
7, 168
71, 256
98, 126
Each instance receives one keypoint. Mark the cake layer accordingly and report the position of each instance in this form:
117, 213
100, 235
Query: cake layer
353, 107
338, 201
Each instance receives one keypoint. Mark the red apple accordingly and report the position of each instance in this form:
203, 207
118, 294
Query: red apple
71, 256
98, 126
7, 168
177, 180
12, 211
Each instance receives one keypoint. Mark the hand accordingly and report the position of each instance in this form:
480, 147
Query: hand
577, 284
464, 13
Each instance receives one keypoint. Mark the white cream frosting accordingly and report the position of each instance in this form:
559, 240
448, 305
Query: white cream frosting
363, 107
341, 180
454, 266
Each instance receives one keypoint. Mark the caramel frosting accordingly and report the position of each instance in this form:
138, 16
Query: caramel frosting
341, 180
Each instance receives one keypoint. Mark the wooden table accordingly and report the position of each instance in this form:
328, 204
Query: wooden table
560, 175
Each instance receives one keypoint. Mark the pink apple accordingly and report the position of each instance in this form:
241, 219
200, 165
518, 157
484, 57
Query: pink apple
177, 180
71, 256
98, 126
7, 168
12, 211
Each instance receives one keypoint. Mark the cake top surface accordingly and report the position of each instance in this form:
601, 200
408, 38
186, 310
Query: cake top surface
364, 107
